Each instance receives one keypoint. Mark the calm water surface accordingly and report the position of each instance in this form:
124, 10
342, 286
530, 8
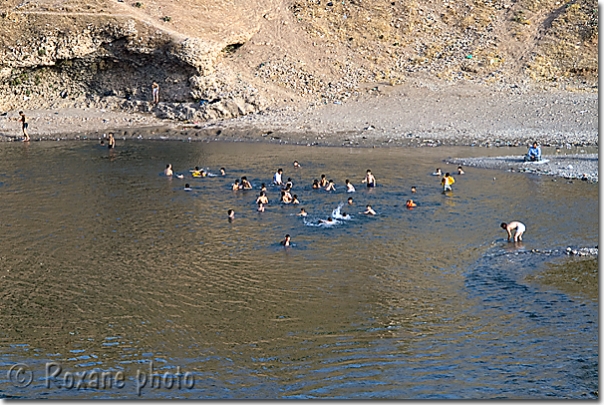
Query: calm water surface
107, 265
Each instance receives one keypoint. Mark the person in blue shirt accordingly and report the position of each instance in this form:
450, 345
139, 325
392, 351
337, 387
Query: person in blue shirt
534, 153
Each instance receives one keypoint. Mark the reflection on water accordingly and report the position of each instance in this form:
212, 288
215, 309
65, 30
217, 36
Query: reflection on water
107, 264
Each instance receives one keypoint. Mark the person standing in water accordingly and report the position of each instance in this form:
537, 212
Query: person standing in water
24, 126
110, 141
369, 179
277, 178
518, 226
231, 215
349, 187
155, 91
447, 182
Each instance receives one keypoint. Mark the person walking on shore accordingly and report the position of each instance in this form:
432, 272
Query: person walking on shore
155, 90
518, 226
24, 126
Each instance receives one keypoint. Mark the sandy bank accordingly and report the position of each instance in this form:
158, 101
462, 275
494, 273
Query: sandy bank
576, 166
408, 115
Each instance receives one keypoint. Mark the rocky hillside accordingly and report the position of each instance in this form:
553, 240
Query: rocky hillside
230, 58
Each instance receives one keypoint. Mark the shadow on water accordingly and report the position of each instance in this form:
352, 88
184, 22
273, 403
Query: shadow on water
107, 265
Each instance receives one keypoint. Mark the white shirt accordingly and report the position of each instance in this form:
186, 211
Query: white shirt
277, 178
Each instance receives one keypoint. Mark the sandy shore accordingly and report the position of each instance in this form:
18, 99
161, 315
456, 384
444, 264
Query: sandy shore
576, 166
413, 115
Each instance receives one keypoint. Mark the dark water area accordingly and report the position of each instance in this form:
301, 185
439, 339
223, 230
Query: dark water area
108, 266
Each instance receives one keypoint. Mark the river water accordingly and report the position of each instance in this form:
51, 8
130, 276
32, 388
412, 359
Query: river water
107, 266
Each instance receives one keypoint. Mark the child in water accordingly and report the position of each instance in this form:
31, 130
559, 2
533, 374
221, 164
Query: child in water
315, 184
260, 207
369, 210
369, 179
447, 182
235, 185
330, 186
302, 213
286, 241
349, 187
410, 204
231, 214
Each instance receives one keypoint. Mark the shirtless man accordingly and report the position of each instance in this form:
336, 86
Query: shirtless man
231, 214
262, 199
302, 213
245, 184
369, 179
235, 185
24, 126
349, 187
330, 186
323, 182
518, 226
350, 201
369, 210
111, 141
169, 173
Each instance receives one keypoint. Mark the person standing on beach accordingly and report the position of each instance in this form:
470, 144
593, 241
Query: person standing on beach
24, 126
155, 90
518, 226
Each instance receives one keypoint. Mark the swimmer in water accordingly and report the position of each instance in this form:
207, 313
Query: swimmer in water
187, 187
222, 171
460, 170
447, 182
315, 184
245, 184
262, 199
289, 184
260, 207
330, 186
413, 189
296, 164
437, 172
369, 179
231, 214
295, 200
286, 241
235, 185
323, 182
196, 172
345, 215
263, 187
518, 226
349, 187
302, 213
327, 221
350, 201
369, 210
410, 204
169, 172
286, 197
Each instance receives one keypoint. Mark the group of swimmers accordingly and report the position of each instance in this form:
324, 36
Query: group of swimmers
286, 196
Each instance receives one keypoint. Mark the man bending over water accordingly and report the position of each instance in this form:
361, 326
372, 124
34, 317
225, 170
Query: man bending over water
518, 226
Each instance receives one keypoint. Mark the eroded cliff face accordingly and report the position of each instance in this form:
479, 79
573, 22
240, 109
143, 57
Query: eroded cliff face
217, 61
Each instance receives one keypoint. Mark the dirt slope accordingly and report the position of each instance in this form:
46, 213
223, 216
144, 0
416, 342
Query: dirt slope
238, 57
